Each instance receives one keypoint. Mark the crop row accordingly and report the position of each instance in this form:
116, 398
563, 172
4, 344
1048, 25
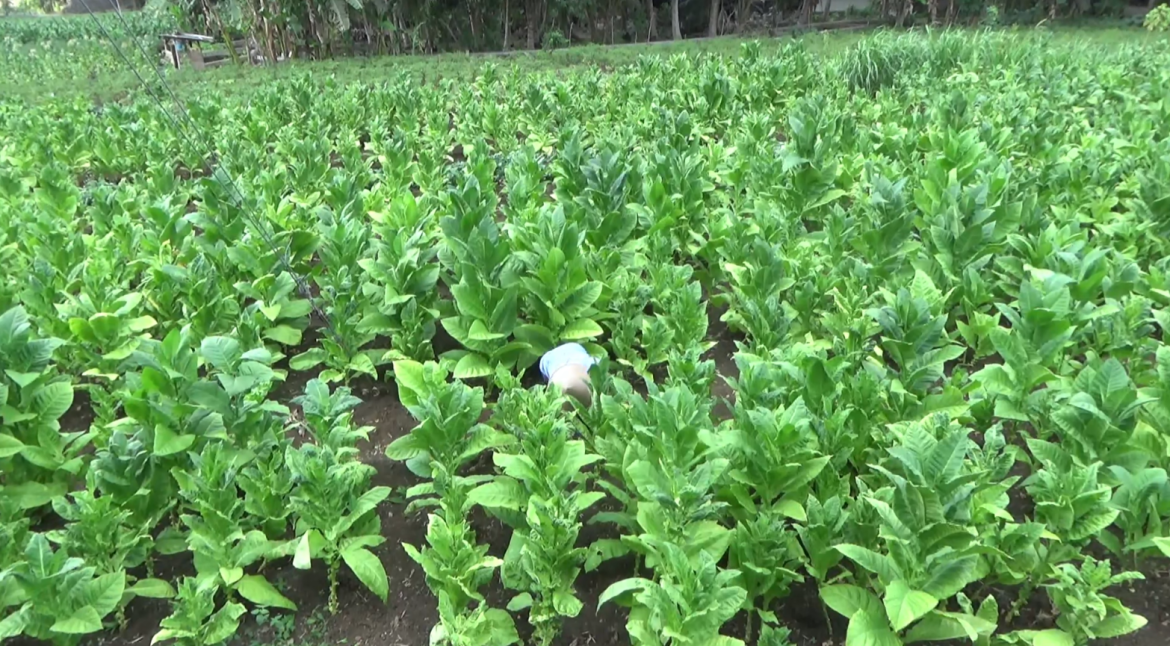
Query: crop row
945, 281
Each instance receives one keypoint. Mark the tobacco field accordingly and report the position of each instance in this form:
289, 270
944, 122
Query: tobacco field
880, 338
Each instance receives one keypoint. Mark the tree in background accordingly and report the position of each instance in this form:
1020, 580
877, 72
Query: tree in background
286, 29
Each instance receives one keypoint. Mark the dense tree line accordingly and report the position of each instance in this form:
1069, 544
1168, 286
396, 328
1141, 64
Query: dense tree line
331, 27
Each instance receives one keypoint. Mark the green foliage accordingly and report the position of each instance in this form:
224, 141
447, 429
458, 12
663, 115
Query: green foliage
196, 619
1158, 19
33, 450
333, 505
891, 321
57, 598
544, 486
449, 433
1086, 613
689, 602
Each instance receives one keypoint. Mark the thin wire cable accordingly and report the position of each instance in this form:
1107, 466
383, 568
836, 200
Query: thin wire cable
210, 148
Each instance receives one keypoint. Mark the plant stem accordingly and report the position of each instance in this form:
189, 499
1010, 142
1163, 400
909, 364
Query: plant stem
333, 605
747, 633
1030, 585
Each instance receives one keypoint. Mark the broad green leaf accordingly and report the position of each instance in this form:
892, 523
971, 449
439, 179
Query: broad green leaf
479, 332
879, 564
368, 569
124, 351
501, 493
1119, 624
940, 626
30, 495
308, 359
13, 624
952, 576
904, 606
141, 323
224, 623
167, 442
586, 500
9, 446
829, 196
409, 375
231, 575
848, 600
53, 400
153, 589
86, 620
622, 587
405, 447
870, 629
362, 506
522, 601
363, 364
472, 366
792, 509
22, 379
566, 604
259, 591
1052, 637
220, 351
604, 549
284, 335
581, 329
1005, 409
105, 592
